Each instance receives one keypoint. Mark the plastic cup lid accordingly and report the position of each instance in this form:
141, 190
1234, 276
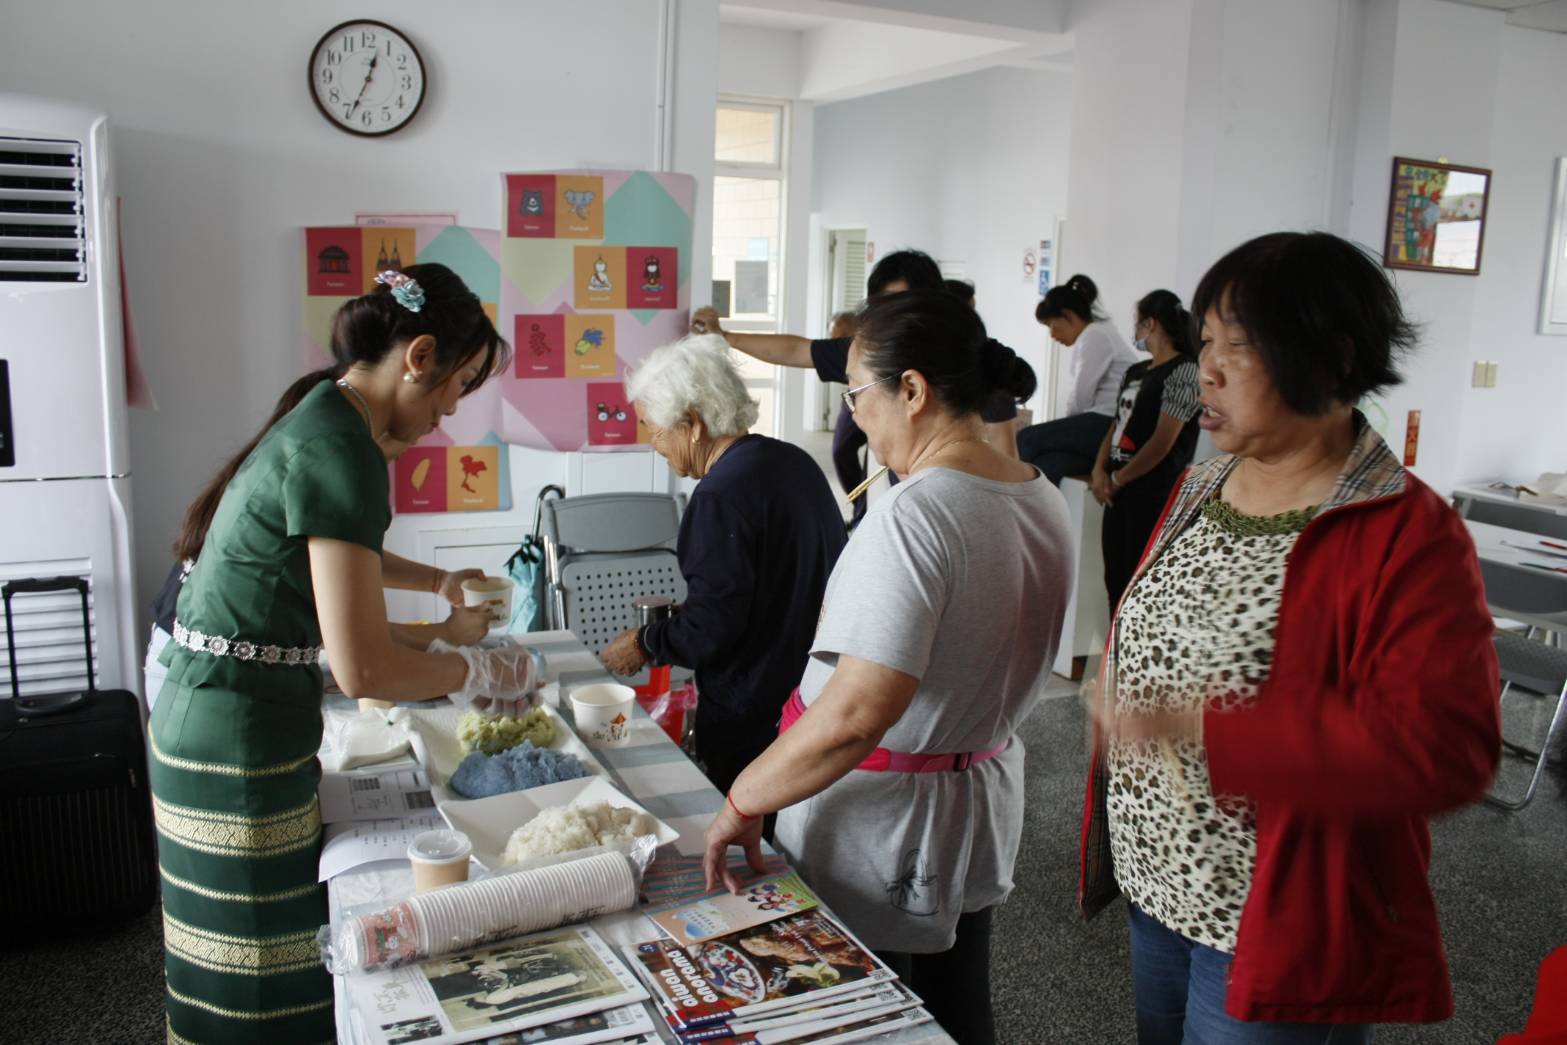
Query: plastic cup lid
440, 847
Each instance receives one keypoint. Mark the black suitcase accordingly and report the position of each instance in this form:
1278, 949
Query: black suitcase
76, 835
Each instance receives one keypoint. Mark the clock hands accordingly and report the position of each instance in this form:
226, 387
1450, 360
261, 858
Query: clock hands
369, 75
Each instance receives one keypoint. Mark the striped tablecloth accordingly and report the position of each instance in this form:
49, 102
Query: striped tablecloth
651, 769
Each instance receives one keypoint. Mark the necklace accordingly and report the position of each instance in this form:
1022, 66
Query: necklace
932, 453
362, 405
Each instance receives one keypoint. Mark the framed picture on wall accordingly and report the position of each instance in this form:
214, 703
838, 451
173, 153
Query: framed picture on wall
1436, 217
1553, 295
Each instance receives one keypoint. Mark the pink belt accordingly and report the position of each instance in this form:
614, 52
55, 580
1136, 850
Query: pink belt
884, 761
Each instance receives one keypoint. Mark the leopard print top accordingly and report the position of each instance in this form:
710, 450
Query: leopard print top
1198, 626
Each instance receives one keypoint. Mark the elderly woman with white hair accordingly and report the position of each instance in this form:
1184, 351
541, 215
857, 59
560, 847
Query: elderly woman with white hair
758, 541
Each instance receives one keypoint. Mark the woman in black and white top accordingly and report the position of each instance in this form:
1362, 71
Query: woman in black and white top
1153, 438
1100, 356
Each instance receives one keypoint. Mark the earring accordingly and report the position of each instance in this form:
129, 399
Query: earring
409, 378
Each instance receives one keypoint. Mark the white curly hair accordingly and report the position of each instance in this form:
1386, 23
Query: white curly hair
695, 373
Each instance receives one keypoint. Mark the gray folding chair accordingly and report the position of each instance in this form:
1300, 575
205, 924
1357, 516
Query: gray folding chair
601, 552
1531, 665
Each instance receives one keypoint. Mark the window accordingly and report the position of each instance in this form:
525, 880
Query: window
749, 191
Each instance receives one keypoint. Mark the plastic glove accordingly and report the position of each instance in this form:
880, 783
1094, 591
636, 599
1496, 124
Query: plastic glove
498, 680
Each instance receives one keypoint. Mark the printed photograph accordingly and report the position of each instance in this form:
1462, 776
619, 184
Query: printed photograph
526, 978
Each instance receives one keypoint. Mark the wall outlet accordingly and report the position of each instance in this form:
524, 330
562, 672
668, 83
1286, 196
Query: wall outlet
1483, 374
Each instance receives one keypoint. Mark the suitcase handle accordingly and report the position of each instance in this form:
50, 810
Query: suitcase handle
39, 585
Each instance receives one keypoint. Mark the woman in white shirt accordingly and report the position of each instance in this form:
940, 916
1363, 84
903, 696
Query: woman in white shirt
1069, 444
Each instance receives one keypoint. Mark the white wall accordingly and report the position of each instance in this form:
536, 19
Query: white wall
968, 169
222, 156
762, 63
1193, 130
1516, 430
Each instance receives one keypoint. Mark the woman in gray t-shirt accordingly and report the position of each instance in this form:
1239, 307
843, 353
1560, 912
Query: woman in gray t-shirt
897, 776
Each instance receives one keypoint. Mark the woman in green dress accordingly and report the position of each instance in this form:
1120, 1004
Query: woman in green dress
292, 561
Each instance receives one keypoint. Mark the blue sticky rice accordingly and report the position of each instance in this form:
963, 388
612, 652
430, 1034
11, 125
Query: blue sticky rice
524, 766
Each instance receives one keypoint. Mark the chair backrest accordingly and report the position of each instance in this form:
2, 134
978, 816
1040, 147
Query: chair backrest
597, 591
1513, 516
1514, 588
612, 522
603, 551
1531, 664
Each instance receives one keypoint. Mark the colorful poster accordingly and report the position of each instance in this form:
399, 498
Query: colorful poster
590, 345
611, 262
341, 264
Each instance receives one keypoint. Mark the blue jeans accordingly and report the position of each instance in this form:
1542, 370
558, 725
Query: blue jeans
1179, 988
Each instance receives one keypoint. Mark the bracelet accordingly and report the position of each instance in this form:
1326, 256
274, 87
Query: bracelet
1114, 481
743, 816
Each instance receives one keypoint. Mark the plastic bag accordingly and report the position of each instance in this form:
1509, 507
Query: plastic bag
535, 895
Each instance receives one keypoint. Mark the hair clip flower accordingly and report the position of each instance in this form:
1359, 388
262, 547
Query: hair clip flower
405, 289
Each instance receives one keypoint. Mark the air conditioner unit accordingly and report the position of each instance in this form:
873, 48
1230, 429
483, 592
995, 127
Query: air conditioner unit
64, 460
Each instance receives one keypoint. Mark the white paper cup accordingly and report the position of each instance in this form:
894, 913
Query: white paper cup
492, 592
603, 713
439, 858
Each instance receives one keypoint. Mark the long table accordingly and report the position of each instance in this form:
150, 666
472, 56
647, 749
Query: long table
651, 769
1516, 586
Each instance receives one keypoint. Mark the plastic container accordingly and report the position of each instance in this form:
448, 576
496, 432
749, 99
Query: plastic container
439, 858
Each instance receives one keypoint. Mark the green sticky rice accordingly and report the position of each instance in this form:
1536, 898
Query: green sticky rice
493, 734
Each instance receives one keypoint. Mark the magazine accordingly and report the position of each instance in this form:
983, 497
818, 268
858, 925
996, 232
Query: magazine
611, 1025
871, 1028
785, 1025
778, 965
704, 916
672, 877
529, 982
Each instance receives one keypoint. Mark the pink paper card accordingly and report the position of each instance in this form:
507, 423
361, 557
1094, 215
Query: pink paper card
530, 205
539, 345
421, 483
612, 421
334, 259
652, 277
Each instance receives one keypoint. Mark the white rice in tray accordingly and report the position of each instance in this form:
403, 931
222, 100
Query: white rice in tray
565, 829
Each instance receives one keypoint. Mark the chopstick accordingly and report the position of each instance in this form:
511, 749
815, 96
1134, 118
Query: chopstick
855, 493
1535, 551
1542, 566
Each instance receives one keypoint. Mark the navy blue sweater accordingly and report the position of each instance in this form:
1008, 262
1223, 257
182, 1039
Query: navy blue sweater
757, 543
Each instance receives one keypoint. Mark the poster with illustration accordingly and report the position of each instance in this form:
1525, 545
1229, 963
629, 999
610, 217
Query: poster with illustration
606, 254
462, 465
1436, 216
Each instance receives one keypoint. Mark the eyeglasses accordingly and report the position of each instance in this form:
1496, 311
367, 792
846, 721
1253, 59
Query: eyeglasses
849, 394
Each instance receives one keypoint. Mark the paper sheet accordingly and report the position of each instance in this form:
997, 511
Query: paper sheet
349, 845
378, 795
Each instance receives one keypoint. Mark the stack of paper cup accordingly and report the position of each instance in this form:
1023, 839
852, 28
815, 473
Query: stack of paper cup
458, 917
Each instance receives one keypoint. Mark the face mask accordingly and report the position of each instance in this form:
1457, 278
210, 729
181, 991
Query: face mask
1141, 344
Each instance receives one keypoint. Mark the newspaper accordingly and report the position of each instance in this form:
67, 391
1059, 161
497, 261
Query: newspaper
530, 982
375, 795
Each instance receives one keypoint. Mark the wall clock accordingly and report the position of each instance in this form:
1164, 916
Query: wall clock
367, 78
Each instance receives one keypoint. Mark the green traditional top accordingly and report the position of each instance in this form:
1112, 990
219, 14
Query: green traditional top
317, 473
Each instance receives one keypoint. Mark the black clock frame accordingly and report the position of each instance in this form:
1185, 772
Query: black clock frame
310, 77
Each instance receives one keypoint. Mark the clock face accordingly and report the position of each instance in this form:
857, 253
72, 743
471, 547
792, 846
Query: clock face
367, 78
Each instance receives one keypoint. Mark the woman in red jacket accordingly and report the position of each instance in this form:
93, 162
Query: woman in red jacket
1300, 675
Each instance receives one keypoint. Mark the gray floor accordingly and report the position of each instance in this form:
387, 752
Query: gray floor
1501, 881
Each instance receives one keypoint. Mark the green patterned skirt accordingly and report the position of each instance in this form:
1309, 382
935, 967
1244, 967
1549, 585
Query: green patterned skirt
234, 779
